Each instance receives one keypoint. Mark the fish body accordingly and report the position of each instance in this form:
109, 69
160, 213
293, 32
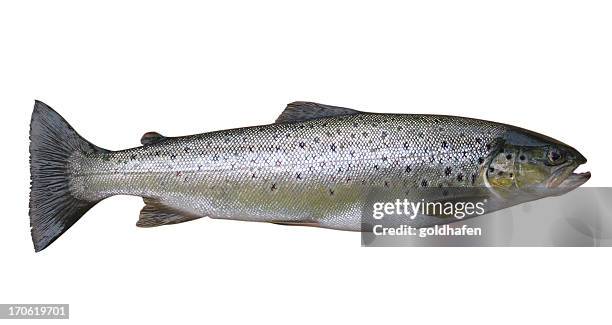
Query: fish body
317, 165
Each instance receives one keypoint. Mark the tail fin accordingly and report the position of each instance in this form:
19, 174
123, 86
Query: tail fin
53, 209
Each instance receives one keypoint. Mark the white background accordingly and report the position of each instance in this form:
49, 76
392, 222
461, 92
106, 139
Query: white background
120, 68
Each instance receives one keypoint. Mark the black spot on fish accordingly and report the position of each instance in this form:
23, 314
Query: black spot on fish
187, 149
355, 124
522, 157
383, 134
331, 192
386, 184
384, 158
444, 144
215, 157
480, 160
253, 176
421, 135
133, 157
333, 147
199, 167
352, 135
424, 183
365, 134
250, 148
474, 178
157, 153
478, 140
448, 171
511, 175
460, 177
178, 174
408, 169
488, 146
406, 145
491, 169
298, 176
302, 145
508, 156
500, 173
172, 156
273, 187
316, 139
399, 128
376, 167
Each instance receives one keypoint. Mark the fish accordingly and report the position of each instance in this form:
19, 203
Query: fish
316, 165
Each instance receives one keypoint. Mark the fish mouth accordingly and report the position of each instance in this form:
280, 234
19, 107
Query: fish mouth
575, 180
565, 177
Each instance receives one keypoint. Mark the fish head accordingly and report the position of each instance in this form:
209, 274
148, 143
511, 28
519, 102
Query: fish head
535, 165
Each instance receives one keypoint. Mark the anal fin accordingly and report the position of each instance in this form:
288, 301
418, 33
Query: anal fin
154, 214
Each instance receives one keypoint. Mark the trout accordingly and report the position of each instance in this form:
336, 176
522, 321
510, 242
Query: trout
317, 165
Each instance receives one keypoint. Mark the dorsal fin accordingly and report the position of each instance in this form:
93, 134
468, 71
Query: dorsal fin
304, 111
156, 214
151, 137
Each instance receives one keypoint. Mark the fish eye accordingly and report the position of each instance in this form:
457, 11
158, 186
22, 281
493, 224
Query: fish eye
555, 156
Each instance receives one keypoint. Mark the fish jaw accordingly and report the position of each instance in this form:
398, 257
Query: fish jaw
575, 180
565, 177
